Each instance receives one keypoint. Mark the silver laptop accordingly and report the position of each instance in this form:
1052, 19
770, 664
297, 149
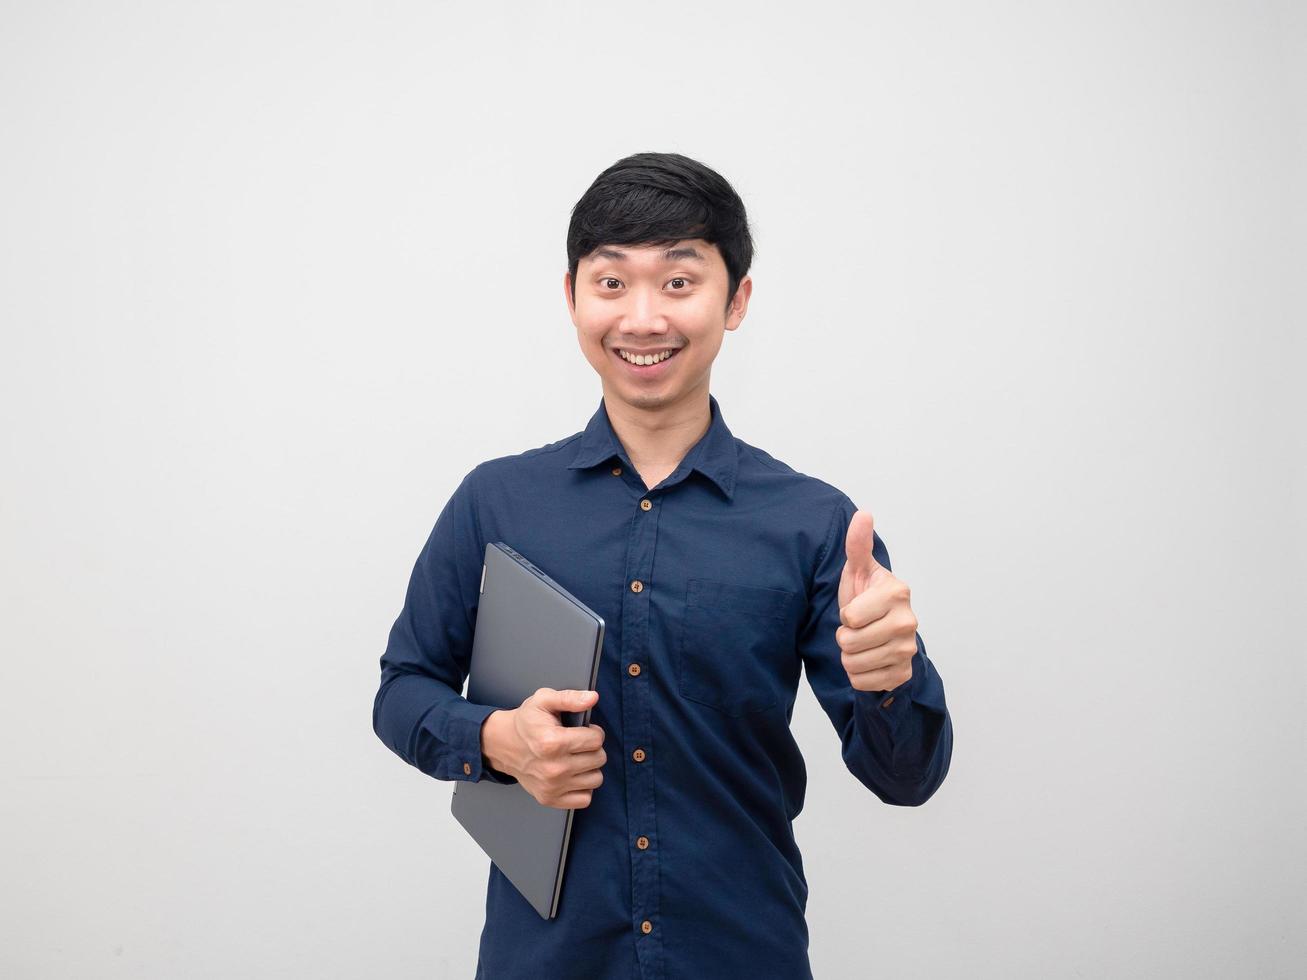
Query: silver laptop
529, 633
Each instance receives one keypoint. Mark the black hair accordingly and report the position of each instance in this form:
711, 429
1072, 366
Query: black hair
659, 199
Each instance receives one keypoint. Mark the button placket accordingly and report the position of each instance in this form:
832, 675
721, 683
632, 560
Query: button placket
637, 728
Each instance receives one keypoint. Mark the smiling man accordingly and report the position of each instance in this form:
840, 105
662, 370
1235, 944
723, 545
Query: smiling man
722, 575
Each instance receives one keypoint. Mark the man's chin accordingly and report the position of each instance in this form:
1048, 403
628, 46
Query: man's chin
634, 395
644, 399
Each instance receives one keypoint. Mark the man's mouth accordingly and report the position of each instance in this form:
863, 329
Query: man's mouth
652, 359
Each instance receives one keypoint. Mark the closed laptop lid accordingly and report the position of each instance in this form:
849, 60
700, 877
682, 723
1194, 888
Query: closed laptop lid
529, 633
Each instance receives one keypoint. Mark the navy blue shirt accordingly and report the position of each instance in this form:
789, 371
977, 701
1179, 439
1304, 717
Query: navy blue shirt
720, 583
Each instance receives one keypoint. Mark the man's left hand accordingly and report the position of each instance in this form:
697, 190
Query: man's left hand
878, 637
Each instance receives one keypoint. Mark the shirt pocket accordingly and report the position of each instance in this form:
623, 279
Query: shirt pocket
734, 646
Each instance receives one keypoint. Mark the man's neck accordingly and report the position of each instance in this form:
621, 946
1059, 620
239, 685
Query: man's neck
657, 439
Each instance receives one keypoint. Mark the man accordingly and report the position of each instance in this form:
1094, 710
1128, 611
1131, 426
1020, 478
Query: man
720, 572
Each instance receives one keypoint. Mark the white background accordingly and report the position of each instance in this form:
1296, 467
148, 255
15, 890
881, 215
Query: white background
1029, 287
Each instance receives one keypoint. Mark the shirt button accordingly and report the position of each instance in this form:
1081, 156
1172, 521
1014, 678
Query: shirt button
887, 702
642, 842
637, 586
638, 755
645, 505
467, 769
646, 927
633, 670
617, 471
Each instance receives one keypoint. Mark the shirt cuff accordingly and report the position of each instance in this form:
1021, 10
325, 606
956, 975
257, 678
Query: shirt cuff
901, 721
458, 730
885, 710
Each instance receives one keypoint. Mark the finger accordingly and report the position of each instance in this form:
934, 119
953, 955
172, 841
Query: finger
587, 739
573, 801
855, 639
884, 679
587, 762
866, 608
887, 596
590, 779
894, 654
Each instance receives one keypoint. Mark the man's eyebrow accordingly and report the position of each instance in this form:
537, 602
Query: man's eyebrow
671, 255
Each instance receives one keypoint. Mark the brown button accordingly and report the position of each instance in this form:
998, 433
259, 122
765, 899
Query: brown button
633, 670
637, 586
642, 842
646, 927
645, 505
467, 769
617, 471
887, 702
638, 755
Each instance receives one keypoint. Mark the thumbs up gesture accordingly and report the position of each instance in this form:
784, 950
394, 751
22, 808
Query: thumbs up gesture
878, 635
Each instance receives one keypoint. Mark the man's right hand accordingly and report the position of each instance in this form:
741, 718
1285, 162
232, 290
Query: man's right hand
556, 764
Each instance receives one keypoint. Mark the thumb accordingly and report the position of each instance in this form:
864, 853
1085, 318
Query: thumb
566, 700
859, 565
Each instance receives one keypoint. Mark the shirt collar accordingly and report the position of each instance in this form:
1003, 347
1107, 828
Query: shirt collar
715, 454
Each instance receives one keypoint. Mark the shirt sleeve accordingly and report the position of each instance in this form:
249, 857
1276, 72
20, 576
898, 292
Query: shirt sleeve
897, 743
419, 712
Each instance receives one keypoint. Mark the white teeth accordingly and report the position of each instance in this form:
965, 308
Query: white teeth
645, 358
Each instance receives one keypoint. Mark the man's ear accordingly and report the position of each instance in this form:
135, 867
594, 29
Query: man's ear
739, 303
567, 295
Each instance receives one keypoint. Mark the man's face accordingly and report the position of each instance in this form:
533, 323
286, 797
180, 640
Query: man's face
645, 299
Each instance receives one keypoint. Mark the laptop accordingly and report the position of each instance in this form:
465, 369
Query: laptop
530, 633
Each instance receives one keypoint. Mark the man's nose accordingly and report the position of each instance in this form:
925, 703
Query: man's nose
645, 312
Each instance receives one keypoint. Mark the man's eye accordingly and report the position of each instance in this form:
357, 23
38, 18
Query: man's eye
677, 279
609, 279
